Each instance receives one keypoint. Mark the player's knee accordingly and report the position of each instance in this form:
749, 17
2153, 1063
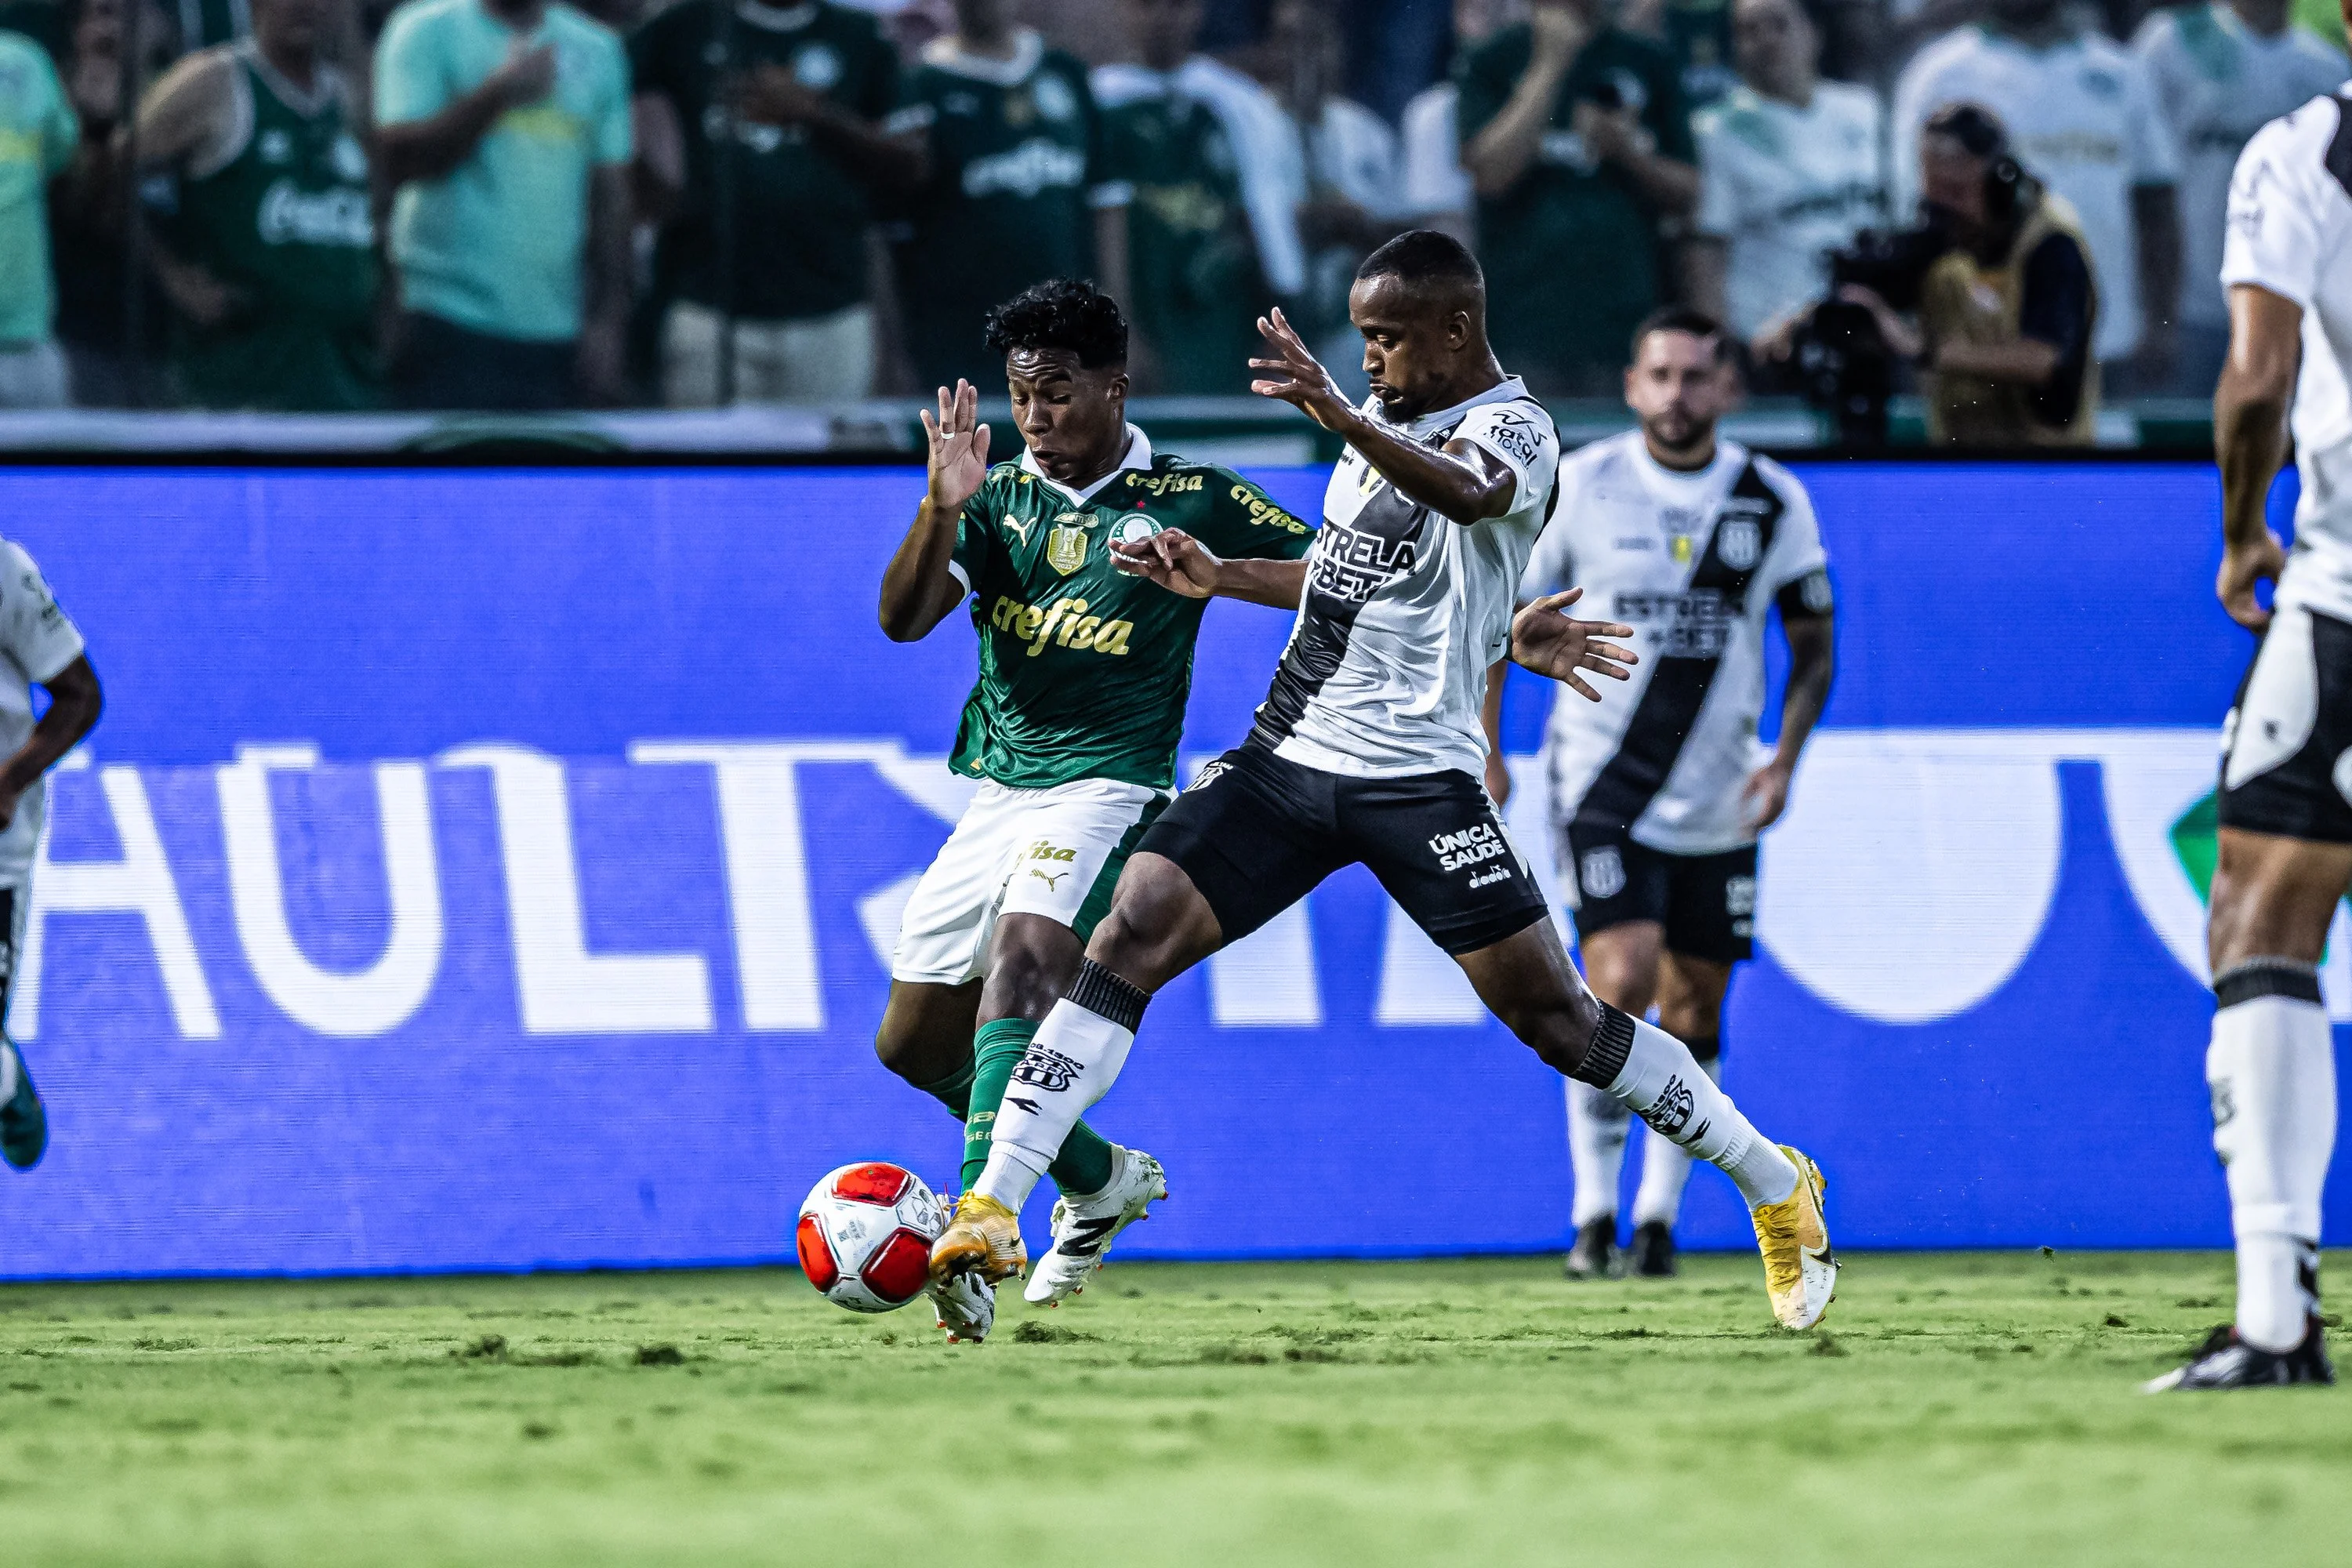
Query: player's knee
1024, 983
899, 1049
1156, 928
1558, 1030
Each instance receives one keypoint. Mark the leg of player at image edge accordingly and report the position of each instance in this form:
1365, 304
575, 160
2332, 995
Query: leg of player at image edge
1085, 1041
24, 1124
2271, 1070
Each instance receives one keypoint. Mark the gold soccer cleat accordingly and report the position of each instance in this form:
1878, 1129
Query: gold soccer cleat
1800, 1274
984, 1238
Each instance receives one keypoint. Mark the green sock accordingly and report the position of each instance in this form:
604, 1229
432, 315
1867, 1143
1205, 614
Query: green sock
954, 1092
1084, 1164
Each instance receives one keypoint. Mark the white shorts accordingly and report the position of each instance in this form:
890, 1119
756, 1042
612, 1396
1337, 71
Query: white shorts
1052, 852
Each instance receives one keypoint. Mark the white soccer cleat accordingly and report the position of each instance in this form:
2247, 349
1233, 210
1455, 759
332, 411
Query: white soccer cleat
1084, 1229
965, 1307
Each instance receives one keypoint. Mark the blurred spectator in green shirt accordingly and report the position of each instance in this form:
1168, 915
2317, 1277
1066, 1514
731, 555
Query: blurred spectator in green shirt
504, 125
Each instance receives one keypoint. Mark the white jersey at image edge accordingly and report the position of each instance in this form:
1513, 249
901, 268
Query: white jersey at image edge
1692, 562
37, 644
1405, 610
2291, 234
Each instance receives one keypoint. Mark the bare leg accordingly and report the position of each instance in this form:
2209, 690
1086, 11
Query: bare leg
2272, 1069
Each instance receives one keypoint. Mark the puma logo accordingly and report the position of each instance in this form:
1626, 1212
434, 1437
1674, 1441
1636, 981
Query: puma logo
1053, 881
1019, 528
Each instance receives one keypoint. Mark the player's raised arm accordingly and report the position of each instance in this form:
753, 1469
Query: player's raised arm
920, 587
1460, 480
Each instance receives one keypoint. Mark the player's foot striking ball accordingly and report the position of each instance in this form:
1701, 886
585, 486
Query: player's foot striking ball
1072, 728
1369, 750
2283, 856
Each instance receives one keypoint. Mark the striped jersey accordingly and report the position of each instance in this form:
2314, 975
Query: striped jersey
2290, 234
1693, 561
1405, 609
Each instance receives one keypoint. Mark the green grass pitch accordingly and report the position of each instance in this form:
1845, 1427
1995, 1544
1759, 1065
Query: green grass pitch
1967, 1409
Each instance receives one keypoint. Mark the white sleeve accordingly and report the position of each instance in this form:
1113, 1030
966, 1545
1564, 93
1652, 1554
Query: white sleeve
1797, 552
1551, 565
2272, 238
2154, 153
1522, 440
1718, 199
33, 632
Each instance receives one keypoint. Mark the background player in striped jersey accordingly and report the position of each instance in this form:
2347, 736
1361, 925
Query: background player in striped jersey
1072, 727
1659, 792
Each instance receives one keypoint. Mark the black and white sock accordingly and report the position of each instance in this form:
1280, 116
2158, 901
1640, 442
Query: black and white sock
1073, 1061
2272, 1071
1666, 1164
1655, 1074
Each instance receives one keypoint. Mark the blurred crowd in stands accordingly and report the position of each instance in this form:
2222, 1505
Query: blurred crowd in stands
525, 204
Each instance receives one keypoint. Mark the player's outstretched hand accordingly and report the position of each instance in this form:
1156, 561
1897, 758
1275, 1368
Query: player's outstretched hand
1295, 375
959, 443
1547, 641
1171, 557
2243, 566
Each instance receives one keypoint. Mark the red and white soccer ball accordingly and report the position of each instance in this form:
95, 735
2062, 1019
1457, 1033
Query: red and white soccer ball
866, 1235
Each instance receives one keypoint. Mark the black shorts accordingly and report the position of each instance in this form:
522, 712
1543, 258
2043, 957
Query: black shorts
2283, 767
1257, 833
1706, 902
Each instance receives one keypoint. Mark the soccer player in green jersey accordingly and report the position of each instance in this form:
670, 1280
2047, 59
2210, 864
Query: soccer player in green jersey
1071, 728
1016, 192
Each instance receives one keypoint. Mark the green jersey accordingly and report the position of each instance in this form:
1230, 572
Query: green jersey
798, 211
1083, 671
281, 215
1573, 254
1015, 167
1197, 290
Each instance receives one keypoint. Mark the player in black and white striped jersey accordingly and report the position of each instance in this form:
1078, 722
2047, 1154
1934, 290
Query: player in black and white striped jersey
1660, 789
1367, 751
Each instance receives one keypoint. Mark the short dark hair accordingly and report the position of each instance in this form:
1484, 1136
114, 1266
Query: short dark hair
1977, 129
1065, 313
1683, 319
1425, 255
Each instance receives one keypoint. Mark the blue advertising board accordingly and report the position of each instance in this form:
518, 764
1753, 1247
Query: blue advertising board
494, 870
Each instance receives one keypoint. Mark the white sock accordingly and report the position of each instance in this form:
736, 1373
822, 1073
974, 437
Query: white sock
2271, 1070
1665, 1169
1655, 1074
1597, 1126
1070, 1064
7, 1074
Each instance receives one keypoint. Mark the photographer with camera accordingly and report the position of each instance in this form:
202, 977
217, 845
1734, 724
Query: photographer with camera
2007, 307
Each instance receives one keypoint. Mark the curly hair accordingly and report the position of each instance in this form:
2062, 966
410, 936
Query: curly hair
1062, 313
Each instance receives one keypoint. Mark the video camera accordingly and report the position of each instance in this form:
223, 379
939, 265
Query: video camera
1839, 361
